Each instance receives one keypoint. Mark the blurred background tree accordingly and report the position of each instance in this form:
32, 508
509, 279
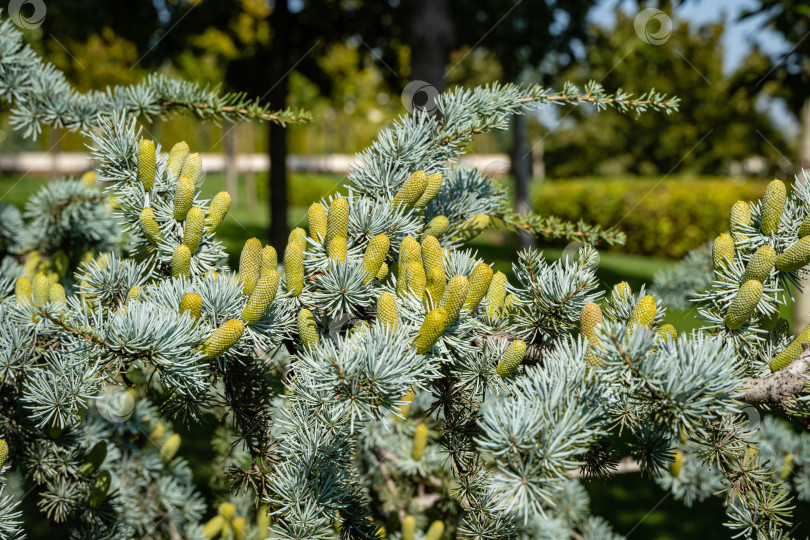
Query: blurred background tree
717, 125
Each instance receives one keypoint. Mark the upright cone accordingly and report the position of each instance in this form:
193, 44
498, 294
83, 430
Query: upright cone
250, 264
307, 329
317, 218
773, 204
146, 164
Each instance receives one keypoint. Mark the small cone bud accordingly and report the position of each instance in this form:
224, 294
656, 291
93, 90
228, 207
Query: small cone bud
382, 273
99, 490
40, 289
250, 264
294, 268
3, 452
375, 255
213, 527
149, 226
261, 298
147, 162
317, 218
666, 330
622, 291
183, 197
473, 227
191, 304
169, 448
409, 251
220, 205
796, 257
512, 357
408, 528
437, 227
432, 188
56, 294
415, 279
134, 293
722, 252
589, 319
227, 510
177, 157
407, 401
89, 179
760, 265
337, 249
412, 189
307, 329
387, 310
299, 236
435, 531
804, 228
156, 435
480, 279
677, 463
94, 459
181, 261
644, 312
269, 260
22, 290
435, 283
434, 325
192, 167
454, 296
773, 204
740, 215
791, 352
337, 220
432, 254
419, 441
744, 304
496, 294
193, 228
223, 338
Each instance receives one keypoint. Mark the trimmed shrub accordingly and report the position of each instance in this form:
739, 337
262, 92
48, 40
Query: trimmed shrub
662, 217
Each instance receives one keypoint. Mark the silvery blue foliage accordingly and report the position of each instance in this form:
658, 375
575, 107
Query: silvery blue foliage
322, 426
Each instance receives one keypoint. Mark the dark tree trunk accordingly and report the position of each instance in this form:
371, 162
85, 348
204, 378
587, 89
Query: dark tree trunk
430, 38
521, 170
278, 76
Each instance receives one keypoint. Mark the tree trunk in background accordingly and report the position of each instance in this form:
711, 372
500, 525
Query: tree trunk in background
278, 76
538, 160
430, 38
801, 309
521, 170
231, 171
251, 195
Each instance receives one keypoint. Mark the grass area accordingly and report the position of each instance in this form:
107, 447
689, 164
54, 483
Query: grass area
635, 506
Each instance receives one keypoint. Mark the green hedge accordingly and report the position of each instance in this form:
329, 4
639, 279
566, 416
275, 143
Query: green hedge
666, 218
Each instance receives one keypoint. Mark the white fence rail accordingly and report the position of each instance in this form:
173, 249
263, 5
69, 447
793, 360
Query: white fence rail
73, 163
